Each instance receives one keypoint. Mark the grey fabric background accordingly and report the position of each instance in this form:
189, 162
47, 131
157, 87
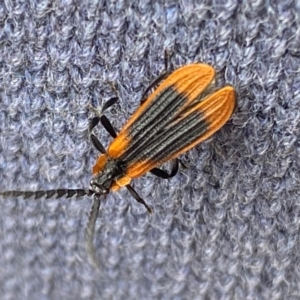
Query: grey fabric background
227, 227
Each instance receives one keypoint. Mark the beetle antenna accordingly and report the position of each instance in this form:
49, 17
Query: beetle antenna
90, 231
56, 194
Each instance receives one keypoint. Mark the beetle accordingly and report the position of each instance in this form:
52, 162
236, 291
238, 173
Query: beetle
184, 110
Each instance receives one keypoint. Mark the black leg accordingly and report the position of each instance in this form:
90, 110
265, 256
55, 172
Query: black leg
153, 84
104, 121
90, 230
97, 144
107, 125
161, 77
167, 60
99, 113
109, 103
93, 123
137, 197
165, 175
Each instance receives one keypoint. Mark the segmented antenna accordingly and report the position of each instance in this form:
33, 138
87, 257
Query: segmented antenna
68, 193
90, 231
55, 194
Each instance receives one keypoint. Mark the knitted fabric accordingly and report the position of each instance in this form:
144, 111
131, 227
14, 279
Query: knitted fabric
226, 227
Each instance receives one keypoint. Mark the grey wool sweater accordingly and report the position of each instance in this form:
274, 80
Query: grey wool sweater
226, 227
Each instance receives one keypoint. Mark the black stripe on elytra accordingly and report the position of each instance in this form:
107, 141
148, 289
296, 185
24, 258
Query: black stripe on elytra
160, 112
175, 138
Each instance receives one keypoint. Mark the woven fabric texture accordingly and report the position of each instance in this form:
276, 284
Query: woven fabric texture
226, 227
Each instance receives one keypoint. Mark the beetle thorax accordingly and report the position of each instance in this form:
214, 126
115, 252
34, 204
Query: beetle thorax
103, 180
